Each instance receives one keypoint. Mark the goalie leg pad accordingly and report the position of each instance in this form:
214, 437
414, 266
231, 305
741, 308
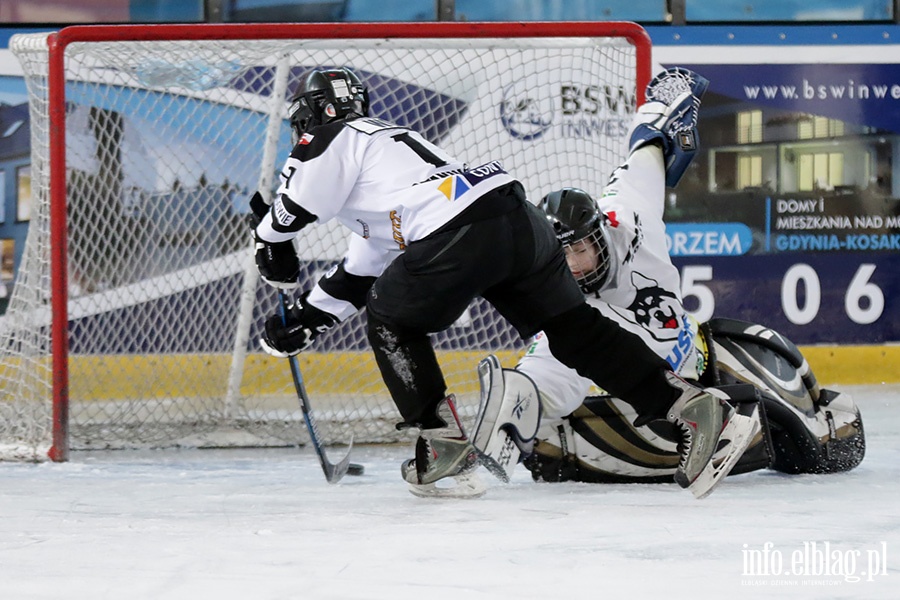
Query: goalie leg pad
812, 429
831, 441
508, 417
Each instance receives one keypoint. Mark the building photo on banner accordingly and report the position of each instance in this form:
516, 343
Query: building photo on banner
149, 447
797, 181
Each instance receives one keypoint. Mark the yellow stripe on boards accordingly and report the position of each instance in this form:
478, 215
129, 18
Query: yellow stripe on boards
854, 365
187, 375
181, 375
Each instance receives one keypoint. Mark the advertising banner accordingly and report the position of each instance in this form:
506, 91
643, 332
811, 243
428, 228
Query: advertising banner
790, 215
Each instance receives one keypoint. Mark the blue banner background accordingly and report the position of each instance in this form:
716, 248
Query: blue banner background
864, 94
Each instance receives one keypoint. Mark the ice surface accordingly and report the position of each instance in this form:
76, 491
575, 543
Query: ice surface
264, 524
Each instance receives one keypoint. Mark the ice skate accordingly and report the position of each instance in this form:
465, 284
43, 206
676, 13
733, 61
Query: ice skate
445, 461
715, 435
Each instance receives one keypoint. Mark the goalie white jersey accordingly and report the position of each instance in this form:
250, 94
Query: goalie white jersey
384, 182
642, 292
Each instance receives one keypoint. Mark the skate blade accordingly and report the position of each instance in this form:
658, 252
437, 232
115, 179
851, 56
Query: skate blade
465, 486
493, 467
741, 429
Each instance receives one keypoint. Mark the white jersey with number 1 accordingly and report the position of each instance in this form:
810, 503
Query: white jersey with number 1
385, 183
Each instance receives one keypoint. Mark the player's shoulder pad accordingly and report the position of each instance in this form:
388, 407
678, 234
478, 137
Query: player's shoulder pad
370, 125
316, 141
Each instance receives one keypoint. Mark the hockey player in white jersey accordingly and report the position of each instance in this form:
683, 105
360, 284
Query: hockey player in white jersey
432, 234
616, 249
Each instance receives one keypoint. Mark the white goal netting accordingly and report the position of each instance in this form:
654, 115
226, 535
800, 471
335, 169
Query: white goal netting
165, 141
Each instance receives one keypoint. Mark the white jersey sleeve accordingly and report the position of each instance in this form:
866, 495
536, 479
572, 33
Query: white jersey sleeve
341, 309
362, 259
322, 170
644, 295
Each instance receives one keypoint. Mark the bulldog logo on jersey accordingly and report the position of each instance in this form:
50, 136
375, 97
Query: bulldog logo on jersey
654, 308
453, 187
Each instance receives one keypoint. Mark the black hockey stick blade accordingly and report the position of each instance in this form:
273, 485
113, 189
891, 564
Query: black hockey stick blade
334, 472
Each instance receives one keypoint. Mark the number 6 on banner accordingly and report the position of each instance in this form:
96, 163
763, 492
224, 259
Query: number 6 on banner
860, 288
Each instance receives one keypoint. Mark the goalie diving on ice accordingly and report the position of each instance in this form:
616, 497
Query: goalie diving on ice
416, 261
616, 249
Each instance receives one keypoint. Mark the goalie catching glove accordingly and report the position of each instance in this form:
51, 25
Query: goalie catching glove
669, 117
296, 330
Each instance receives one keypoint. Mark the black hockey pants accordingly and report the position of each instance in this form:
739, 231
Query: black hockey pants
505, 252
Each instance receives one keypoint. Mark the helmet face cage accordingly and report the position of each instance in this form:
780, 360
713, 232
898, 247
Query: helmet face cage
580, 225
592, 281
327, 95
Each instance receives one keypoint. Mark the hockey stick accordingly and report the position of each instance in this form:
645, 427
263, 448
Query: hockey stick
333, 472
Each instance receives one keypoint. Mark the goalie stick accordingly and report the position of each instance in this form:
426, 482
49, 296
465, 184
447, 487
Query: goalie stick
333, 472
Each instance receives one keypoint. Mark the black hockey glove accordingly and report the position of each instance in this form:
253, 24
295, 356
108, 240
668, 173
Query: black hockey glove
277, 263
258, 209
294, 333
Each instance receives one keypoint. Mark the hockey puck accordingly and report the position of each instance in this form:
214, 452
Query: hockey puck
355, 469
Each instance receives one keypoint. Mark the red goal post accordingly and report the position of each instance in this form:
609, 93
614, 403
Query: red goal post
120, 272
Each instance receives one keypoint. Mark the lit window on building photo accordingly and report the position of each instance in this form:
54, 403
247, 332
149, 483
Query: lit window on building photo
23, 201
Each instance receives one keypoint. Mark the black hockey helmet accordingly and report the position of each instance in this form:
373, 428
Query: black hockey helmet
327, 95
576, 218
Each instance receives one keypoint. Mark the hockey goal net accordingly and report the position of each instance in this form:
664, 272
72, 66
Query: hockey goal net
136, 310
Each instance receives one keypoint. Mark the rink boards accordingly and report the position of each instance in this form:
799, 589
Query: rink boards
328, 373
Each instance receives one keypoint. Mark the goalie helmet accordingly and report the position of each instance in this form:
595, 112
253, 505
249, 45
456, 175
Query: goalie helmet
327, 95
581, 227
